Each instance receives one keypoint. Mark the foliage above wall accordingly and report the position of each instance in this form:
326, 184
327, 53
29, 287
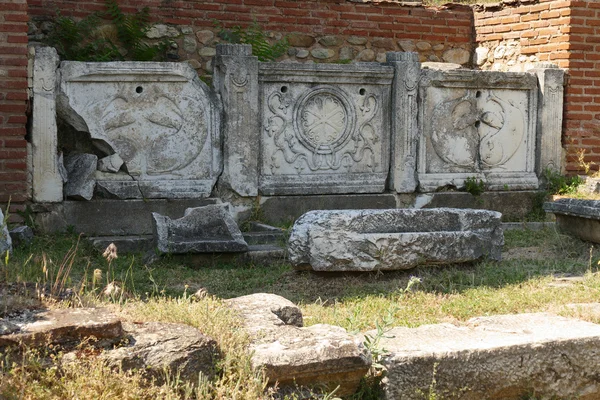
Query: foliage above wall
83, 40
257, 38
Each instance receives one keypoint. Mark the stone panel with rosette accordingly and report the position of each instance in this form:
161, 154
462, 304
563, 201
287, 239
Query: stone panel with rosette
325, 128
477, 124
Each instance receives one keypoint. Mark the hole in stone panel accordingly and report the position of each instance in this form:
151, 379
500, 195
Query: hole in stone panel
362, 91
477, 124
478, 94
284, 89
139, 89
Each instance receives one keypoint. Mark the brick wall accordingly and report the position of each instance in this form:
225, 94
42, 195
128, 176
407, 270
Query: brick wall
512, 37
319, 29
13, 101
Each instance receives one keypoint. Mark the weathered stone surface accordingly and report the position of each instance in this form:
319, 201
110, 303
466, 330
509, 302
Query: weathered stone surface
21, 235
383, 43
160, 118
370, 240
5, 239
324, 128
347, 53
80, 171
322, 54
236, 80
457, 56
46, 180
500, 357
356, 40
64, 326
405, 129
110, 163
580, 218
477, 124
317, 355
156, 347
201, 230
189, 44
331, 40
407, 45
205, 36
481, 55
207, 52
550, 117
7, 327
159, 31
300, 40
366, 55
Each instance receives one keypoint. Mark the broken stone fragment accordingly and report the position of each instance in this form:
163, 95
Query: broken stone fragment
5, 239
205, 229
80, 171
156, 347
7, 327
322, 355
21, 235
110, 163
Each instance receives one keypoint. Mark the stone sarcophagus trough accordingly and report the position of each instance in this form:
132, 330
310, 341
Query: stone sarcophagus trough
371, 240
580, 218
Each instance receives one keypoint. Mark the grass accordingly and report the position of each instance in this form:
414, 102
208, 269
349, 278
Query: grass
357, 302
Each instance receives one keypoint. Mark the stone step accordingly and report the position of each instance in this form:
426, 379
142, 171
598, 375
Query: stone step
497, 357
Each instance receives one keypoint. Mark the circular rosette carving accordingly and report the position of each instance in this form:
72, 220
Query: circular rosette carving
324, 120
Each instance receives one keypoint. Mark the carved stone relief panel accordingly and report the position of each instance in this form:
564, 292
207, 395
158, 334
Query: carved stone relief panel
325, 128
158, 117
477, 124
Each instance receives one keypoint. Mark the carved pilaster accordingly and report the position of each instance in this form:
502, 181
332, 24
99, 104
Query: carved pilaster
407, 70
236, 80
550, 117
47, 182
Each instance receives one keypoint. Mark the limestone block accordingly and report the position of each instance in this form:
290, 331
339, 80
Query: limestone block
110, 163
357, 40
236, 80
366, 55
291, 355
506, 357
81, 181
47, 182
457, 56
404, 121
205, 36
550, 117
372, 240
478, 124
331, 41
407, 45
156, 347
322, 54
580, 218
5, 239
325, 128
300, 40
205, 229
160, 118
481, 55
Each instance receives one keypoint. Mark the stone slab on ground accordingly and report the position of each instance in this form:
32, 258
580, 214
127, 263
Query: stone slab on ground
580, 218
369, 240
21, 235
293, 355
156, 347
499, 357
5, 239
63, 326
205, 229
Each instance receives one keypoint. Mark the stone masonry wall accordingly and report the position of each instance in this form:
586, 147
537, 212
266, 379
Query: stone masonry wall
13, 102
513, 35
317, 30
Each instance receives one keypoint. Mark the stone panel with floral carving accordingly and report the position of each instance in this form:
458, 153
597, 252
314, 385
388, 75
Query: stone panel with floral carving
325, 128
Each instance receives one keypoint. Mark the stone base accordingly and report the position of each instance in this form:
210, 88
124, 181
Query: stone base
583, 228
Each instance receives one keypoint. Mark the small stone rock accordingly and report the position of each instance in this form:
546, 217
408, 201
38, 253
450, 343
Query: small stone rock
434, 58
47, 27
200, 294
357, 40
292, 51
423, 46
380, 57
157, 31
194, 63
80, 170
366, 55
62, 171
156, 347
481, 55
457, 56
347, 53
205, 37
6, 327
207, 52
21, 235
499, 52
322, 54
189, 44
407, 45
208, 65
110, 163
300, 40
302, 53
186, 30
383, 43
438, 47
331, 40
